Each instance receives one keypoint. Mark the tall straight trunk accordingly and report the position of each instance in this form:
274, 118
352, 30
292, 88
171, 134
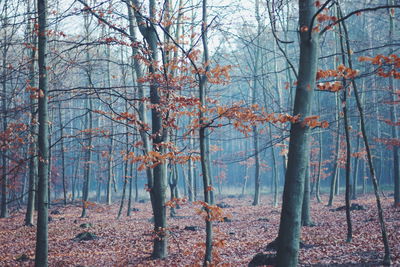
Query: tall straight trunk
305, 210
88, 127
157, 183
33, 163
290, 222
275, 172
4, 177
202, 139
348, 144
318, 180
41, 251
256, 199
356, 170
121, 206
128, 213
88, 159
75, 177
364, 180
172, 185
210, 169
62, 149
110, 173
50, 161
244, 186
126, 163
137, 73
348, 169
136, 186
386, 259
190, 172
335, 164
110, 163
256, 148
393, 117
274, 161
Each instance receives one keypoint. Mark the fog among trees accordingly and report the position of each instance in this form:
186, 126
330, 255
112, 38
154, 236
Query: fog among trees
213, 133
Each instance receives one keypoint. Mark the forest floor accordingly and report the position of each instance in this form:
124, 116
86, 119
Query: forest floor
128, 241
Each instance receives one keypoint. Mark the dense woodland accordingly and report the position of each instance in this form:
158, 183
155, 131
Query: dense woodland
195, 132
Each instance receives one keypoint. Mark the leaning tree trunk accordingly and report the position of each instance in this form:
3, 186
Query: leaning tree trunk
290, 222
43, 141
386, 259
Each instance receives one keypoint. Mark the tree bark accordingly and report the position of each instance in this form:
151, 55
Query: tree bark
386, 259
348, 144
202, 139
290, 222
4, 161
305, 210
33, 163
158, 181
256, 199
335, 164
43, 141
393, 117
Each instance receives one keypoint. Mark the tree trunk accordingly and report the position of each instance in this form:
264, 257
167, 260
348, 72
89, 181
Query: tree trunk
256, 199
275, 172
88, 128
121, 206
43, 141
62, 154
203, 142
289, 228
305, 210
4, 176
33, 163
386, 259
157, 182
393, 118
128, 213
190, 172
335, 164
348, 144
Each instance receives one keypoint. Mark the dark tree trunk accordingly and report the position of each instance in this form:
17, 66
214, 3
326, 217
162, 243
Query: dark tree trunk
305, 210
157, 182
386, 259
289, 228
43, 141
348, 144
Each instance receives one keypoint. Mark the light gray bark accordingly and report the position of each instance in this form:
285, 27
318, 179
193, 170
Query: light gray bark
33, 163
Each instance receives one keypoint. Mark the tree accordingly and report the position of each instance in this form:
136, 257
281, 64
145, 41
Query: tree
290, 222
33, 162
43, 140
393, 114
157, 185
202, 139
